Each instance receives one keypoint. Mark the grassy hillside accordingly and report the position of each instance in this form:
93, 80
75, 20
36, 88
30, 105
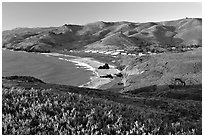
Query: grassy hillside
156, 94
114, 41
30, 106
163, 70
183, 32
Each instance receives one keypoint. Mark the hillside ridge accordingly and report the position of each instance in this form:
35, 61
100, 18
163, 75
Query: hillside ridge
182, 32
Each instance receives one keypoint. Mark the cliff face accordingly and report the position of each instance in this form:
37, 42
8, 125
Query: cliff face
164, 70
112, 35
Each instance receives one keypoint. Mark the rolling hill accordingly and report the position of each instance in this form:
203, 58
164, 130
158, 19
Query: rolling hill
161, 70
114, 41
164, 70
182, 32
155, 94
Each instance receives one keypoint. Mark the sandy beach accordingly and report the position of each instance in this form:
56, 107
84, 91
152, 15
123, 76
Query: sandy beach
92, 65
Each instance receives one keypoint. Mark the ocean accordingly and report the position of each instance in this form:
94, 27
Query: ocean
50, 69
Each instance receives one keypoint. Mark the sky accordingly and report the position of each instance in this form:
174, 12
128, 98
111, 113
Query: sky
38, 14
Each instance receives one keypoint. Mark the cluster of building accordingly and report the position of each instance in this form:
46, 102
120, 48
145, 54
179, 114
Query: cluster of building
123, 52
116, 52
110, 52
182, 49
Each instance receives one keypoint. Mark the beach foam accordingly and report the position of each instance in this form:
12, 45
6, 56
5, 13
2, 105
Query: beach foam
84, 65
58, 55
53, 54
89, 64
81, 64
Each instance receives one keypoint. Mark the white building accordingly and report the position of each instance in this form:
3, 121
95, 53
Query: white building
115, 53
141, 54
93, 51
173, 48
86, 51
120, 50
131, 54
108, 52
123, 53
101, 52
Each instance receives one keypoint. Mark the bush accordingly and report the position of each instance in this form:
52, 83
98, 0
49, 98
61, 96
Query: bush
53, 113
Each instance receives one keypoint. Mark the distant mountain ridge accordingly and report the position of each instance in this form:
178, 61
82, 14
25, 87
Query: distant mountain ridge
111, 35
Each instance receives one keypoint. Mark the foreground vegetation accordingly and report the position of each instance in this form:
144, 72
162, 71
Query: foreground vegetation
48, 111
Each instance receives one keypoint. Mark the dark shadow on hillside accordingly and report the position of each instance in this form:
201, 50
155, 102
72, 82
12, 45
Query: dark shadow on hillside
24, 79
161, 36
189, 92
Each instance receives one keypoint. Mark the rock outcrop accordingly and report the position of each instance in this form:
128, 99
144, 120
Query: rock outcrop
105, 66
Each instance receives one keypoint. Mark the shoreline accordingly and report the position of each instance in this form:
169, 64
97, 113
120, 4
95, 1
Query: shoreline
92, 65
89, 64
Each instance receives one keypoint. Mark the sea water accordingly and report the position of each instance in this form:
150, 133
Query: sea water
51, 69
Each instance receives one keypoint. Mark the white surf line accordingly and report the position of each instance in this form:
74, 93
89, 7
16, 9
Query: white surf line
58, 55
86, 66
89, 84
81, 64
76, 62
52, 54
87, 58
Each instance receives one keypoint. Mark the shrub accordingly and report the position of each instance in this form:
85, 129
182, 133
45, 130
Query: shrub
32, 111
